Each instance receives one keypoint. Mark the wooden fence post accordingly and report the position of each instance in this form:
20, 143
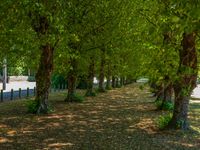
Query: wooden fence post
27, 92
20, 93
11, 94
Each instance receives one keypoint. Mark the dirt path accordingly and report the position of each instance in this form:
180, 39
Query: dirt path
121, 119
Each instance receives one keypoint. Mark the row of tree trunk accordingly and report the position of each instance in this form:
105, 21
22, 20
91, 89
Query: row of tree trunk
43, 77
183, 86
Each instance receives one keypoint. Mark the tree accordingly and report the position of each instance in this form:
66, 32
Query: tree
37, 25
181, 21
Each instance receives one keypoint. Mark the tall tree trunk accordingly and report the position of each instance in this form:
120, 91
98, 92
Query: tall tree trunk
121, 81
160, 92
43, 78
5, 76
113, 82
101, 75
90, 78
108, 83
72, 78
117, 82
164, 88
168, 92
186, 82
124, 81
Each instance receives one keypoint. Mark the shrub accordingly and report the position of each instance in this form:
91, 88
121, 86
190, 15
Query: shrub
31, 78
100, 90
163, 121
118, 86
76, 98
90, 94
32, 106
57, 80
141, 87
166, 106
108, 88
82, 83
158, 103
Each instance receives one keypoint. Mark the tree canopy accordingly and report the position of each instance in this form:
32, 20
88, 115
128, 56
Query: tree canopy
116, 40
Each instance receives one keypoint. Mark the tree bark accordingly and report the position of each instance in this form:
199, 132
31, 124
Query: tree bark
43, 78
90, 78
72, 78
186, 82
102, 67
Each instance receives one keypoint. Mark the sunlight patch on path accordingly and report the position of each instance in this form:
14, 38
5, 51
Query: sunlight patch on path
146, 124
59, 145
4, 140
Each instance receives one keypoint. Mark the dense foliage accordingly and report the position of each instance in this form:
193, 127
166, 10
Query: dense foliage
116, 40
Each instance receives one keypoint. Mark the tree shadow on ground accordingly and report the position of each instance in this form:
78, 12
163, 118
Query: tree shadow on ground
119, 119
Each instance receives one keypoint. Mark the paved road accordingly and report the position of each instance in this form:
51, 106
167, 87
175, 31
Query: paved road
25, 84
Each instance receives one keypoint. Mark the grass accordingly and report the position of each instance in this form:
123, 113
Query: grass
123, 119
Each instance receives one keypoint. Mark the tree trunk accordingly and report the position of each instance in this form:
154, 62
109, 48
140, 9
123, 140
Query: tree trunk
121, 81
160, 93
43, 78
168, 92
108, 83
186, 82
101, 75
5, 76
162, 89
113, 82
117, 83
72, 78
90, 78
124, 81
